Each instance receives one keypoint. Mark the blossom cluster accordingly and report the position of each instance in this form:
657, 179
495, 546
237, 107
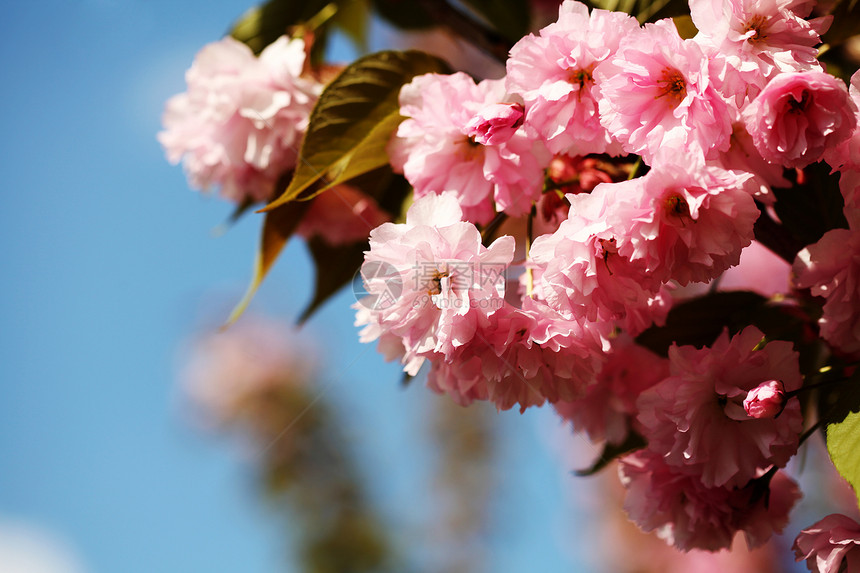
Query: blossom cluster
563, 210
691, 135
239, 127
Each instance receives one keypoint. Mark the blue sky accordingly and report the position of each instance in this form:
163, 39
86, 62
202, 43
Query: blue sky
110, 264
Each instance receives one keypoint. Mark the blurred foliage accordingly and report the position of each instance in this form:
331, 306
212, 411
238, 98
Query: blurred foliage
306, 465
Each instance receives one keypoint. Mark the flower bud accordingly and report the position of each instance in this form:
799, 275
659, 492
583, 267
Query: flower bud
765, 400
496, 123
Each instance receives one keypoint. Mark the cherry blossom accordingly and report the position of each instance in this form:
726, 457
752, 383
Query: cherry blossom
241, 121
436, 148
831, 545
692, 515
657, 93
797, 116
831, 269
554, 74
695, 419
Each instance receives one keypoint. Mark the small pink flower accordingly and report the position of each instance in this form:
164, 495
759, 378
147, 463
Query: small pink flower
436, 151
755, 40
554, 74
831, 268
765, 400
581, 272
696, 420
831, 545
799, 116
496, 124
241, 121
430, 281
657, 94
683, 220
691, 515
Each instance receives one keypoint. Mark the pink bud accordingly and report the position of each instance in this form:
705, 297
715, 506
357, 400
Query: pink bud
496, 123
765, 400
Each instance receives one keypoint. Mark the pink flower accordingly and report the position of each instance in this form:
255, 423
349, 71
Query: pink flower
241, 121
830, 545
521, 356
691, 515
696, 420
756, 40
765, 400
341, 215
657, 93
683, 220
554, 74
435, 149
430, 281
581, 273
496, 124
798, 116
606, 410
831, 268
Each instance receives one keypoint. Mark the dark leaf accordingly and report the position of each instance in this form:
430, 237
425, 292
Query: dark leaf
353, 121
335, 266
611, 451
701, 320
838, 400
510, 17
839, 407
812, 206
846, 22
404, 14
278, 226
263, 24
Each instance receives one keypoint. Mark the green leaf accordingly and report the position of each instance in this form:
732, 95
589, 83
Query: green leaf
335, 267
278, 226
611, 451
263, 24
843, 444
511, 18
353, 120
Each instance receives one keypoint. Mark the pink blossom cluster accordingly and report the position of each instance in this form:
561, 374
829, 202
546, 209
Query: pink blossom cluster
549, 311
240, 122
606, 258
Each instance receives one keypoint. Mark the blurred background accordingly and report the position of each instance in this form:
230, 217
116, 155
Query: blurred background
115, 278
